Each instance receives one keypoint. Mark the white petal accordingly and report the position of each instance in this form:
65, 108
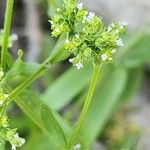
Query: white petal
77, 147
114, 51
119, 42
71, 60
104, 57
79, 65
57, 30
80, 5
77, 36
13, 147
67, 41
1, 102
123, 23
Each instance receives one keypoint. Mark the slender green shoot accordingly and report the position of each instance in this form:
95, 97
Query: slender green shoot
75, 135
7, 24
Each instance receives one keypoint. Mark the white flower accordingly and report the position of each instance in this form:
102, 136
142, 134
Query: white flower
22, 141
6, 96
67, 41
117, 31
58, 9
1, 103
16, 136
14, 37
119, 42
123, 23
90, 16
112, 25
79, 65
104, 57
80, 6
13, 147
71, 60
57, 30
113, 51
76, 147
109, 29
77, 36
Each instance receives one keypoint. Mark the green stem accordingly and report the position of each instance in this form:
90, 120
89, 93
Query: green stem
43, 68
7, 24
86, 106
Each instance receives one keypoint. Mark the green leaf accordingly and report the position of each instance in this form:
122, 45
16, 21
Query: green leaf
2, 146
136, 52
38, 141
66, 87
58, 53
130, 142
30, 103
52, 125
133, 83
53, 5
15, 73
107, 96
10, 61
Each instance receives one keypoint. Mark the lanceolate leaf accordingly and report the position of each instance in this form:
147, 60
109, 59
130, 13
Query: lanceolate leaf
52, 126
137, 51
30, 103
66, 87
133, 83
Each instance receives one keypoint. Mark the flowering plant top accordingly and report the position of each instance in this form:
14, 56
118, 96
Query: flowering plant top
87, 36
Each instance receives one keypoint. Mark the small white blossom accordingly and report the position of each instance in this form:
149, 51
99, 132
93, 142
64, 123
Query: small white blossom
119, 42
77, 36
22, 141
117, 31
1, 103
104, 57
51, 22
16, 136
58, 9
67, 41
90, 16
123, 23
112, 25
77, 147
71, 60
14, 37
6, 96
13, 147
57, 30
113, 51
109, 29
79, 65
80, 6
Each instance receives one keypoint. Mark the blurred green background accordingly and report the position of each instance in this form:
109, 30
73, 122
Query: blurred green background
119, 115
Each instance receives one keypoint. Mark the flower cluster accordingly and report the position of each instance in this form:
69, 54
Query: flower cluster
12, 39
87, 37
7, 134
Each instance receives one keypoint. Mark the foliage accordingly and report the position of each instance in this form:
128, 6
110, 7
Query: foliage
117, 83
